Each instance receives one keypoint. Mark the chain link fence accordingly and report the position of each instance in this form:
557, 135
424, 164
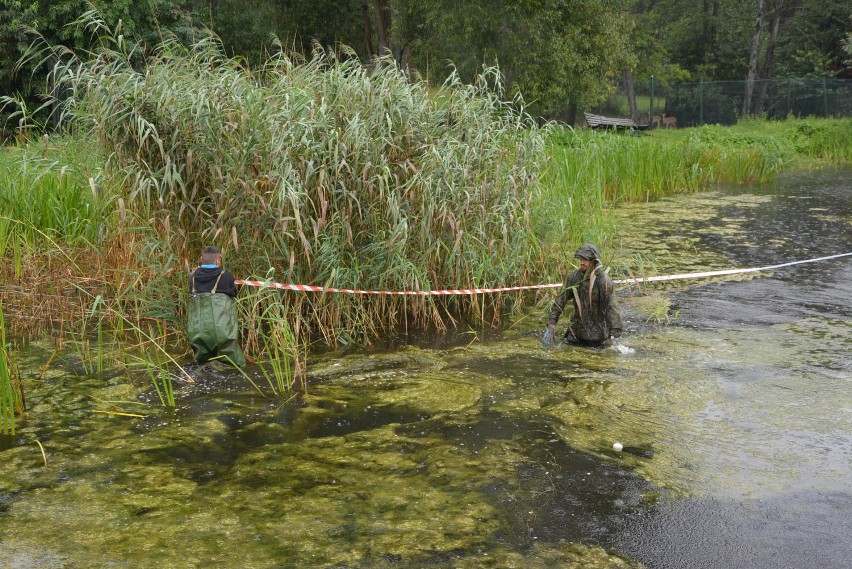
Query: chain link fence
721, 102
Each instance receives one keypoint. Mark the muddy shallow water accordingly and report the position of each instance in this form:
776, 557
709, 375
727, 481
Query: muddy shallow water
734, 411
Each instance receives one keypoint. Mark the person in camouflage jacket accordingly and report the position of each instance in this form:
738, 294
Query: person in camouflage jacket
595, 320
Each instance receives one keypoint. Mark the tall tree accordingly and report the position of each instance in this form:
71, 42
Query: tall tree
368, 32
384, 21
246, 28
778, 9
810, 44
710, 16
561, 55
630, 90
708, 38
752, 61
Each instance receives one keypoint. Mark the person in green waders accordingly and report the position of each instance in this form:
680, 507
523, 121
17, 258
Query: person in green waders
213, 327
595, 321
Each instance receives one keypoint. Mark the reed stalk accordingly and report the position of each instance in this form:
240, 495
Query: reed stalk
160, 375
11, 389
156, 359
88, 341
266, 318
279, 346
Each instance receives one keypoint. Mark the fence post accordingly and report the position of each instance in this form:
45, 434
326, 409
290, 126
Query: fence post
789, 97
701, 101
824, 99
651, 109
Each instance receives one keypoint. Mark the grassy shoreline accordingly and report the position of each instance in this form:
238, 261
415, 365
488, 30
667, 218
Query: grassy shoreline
592, 171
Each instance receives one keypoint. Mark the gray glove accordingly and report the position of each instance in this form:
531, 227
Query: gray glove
549, 334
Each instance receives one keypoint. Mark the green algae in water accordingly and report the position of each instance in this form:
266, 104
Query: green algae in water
394, 494
320, 502
398, 489
664, 233
370, 494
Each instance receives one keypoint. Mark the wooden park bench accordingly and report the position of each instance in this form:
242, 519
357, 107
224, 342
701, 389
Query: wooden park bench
600, 121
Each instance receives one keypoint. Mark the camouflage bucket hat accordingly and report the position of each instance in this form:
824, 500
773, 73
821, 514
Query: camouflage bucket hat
588, 251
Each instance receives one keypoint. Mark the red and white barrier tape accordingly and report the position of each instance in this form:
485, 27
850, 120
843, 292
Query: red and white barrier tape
312, 288
637, 280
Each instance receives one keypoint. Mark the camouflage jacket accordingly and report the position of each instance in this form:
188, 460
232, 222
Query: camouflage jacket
595, 316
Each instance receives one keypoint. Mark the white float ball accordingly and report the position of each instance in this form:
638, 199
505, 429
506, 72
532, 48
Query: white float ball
617, 447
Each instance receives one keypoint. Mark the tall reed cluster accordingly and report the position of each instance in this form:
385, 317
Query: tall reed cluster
54, 213
320, 171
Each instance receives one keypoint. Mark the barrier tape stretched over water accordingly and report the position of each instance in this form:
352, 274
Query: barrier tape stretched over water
637, 280
312, 288
726, 272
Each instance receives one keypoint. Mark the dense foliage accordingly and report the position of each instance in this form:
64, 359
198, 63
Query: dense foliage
48, 245
592, 170
561, 55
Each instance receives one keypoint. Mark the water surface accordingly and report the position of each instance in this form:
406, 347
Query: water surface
734, 411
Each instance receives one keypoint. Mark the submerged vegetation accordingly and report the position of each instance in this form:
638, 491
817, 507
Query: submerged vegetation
323, 172
497, 454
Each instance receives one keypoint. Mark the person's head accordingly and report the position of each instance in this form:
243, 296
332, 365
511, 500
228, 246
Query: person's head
211, 256
589, 256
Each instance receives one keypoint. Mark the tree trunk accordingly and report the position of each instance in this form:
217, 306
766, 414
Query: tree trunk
752, 62
631, 95
403, 59
768, 60
368, 31
706, 29
383, 25
571, 115
714, 30
710, 10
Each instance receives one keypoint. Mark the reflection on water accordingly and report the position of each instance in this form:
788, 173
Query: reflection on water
734, 417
